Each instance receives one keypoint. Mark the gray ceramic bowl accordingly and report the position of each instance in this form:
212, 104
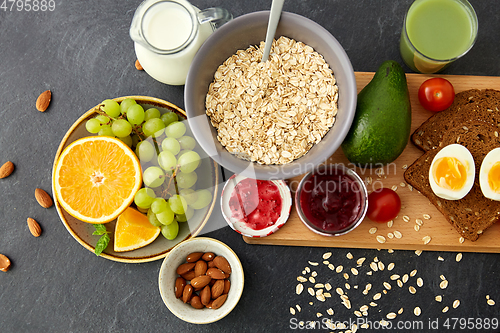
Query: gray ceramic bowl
240, 33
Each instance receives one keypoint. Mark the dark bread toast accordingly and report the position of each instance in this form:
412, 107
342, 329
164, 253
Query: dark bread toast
469, 106
474, 213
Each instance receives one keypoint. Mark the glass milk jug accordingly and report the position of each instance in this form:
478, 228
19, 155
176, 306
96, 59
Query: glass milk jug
168, 33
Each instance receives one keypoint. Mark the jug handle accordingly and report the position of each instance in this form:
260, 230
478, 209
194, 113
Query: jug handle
216, 16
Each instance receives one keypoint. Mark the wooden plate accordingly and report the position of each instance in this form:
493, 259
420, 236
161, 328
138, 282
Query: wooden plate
443, 236
82, 231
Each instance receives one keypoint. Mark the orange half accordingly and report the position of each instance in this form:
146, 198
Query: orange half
96, 178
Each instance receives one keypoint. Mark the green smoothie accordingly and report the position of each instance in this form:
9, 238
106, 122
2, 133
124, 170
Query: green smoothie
437, 32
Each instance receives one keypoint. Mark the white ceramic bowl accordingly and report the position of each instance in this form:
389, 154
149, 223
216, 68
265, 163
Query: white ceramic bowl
241, 227
168, 275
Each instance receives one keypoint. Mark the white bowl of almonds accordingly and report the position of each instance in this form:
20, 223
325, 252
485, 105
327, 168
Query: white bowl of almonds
274, 119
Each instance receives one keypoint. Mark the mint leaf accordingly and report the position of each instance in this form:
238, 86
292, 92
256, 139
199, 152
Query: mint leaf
102, 243
100, 229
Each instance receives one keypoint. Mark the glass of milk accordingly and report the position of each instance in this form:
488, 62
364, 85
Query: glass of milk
168, 33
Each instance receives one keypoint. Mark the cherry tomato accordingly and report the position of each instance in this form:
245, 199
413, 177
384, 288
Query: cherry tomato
383, 205
436, 94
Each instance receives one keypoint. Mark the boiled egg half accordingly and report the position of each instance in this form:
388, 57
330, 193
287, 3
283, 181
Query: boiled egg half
452, 172
489, 175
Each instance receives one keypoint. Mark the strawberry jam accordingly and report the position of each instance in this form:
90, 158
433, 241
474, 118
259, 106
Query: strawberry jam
331, 199
257, 203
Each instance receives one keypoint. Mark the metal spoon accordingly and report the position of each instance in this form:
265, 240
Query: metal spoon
274, 17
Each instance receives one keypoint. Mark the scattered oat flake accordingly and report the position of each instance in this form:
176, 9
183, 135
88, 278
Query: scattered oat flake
412, 289
398, 234
312, 263
417, 311
347, 286
346, 276
364, 308
440, 258
327, 255
456, 304
339, 268
419, 222
374, 266
375, 259
331, 266
461, 240
292, 311
299, 288
426, 239
368, 287
390, 251
349, 255
372, 230
394, 188
406, 218
358, 314
319, 315
312, 279
394, 277
418, 252
445, 309
326, 262
369, 273
442, 277
384, 322
327, 295
339, 291
307, 269
319, 285
390, 267
377, 296
360, 261
384, 291
298, 307
443, 284
490, 302
347, 303
354, 271
311, 291
381, 239
400, 283
391, 315
405, 278
416, 227
381, 266
390, 224
413, 273
458, 257
301, 279
314, 274
387, 285
330, 311
487, 296
321, 298
390, 235
426, 217
365, 325
438, 298
420, 282
373, 304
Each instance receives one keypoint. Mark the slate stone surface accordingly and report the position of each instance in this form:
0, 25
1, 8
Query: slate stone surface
83, 53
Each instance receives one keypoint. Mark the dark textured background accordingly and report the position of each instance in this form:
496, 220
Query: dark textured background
82, 52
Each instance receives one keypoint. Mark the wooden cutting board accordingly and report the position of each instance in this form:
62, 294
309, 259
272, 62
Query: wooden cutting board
414, 205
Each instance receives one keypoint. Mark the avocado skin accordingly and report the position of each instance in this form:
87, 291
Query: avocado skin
382, 122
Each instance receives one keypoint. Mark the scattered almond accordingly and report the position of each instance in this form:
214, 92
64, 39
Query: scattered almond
43, 198
34, 227
138, 65
6, 169
43, 101
4, 263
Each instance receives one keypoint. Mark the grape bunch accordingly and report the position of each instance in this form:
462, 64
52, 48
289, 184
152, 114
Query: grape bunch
168, 159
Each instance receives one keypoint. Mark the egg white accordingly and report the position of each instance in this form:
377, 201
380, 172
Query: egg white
489, 160
464, 156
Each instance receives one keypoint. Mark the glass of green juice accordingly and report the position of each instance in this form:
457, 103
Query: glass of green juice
436, 33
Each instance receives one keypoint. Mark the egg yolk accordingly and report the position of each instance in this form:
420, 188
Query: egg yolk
449, 173
494, 177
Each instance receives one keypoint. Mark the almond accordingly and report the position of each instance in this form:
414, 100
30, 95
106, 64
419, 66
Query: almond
216, 273
180, 283
188, 276
6, 169
200, 268
227, 286
217, 289
184, 268
43, 101
219, 301
4, 263
209, 256
187, 293
43, 198
138, 65
196, 302
206, 295
200, 281
34, 227
194, 257
222, 263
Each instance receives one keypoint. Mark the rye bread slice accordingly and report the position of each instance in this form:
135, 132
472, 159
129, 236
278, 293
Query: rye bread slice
469, 106
474, 213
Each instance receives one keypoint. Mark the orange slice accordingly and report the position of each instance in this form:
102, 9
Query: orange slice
96, 178
133, 231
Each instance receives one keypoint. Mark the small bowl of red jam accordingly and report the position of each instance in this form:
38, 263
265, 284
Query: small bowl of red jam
255, 208
331, 200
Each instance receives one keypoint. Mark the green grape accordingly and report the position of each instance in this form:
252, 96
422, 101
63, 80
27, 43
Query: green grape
103, 119
152, 219
135, 140
151, 113
187, 142
187, 216
153, 126
172, 145
169, 117
143, 210
170, 231
167, 160
153, 176
144, 198
166, 217
94, 126
106, 130
159, 205
145, 151
121, 128
189, 161
177, 204
125, 104
135, 114
204, 197
175, 130
186, 180
112, 108
127, 140
189, 195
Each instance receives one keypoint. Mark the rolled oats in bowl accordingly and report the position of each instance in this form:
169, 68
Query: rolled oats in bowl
272, 112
